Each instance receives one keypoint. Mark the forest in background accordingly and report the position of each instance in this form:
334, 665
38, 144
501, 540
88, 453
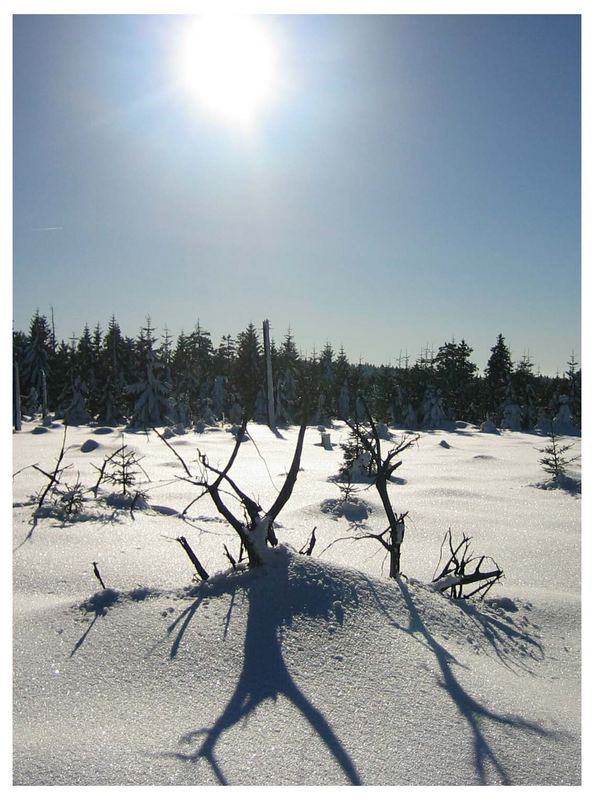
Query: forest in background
148, 380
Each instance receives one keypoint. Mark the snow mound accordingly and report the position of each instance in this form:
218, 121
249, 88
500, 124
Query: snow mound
489, 427
126, 501
354, 510
565, 483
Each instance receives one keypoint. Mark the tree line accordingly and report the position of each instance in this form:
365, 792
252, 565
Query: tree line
148, 380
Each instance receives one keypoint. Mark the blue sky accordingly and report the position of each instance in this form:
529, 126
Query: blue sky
416, 178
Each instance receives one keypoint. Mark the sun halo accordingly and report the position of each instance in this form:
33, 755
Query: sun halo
229, 66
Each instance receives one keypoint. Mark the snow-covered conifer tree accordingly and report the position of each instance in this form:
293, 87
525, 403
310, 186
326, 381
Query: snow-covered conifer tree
151, 406
77, 413
433, 413
286, 370
248, 369
35, 361
497, 376
563, 419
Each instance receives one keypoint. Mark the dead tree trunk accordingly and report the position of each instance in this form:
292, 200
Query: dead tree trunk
385, 466
44, 409
257, 531
269, 384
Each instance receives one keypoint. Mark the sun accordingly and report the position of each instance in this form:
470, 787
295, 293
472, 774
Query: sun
229, 65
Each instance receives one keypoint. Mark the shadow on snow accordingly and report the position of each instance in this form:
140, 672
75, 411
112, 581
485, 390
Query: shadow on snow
264, 674
314, 591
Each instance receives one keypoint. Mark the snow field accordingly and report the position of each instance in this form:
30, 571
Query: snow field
310, 670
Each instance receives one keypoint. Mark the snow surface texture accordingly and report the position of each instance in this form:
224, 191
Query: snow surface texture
307, 670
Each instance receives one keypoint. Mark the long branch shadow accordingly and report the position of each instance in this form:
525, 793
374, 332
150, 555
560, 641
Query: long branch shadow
100, 603
511, 644
470, 709
264, 675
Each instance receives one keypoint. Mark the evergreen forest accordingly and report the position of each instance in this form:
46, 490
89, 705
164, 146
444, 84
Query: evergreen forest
107, 377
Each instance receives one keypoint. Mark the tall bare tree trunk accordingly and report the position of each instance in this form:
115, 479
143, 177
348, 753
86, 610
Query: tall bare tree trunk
16, 407
269, 386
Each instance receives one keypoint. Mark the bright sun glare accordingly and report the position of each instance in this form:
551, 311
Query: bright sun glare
229, 64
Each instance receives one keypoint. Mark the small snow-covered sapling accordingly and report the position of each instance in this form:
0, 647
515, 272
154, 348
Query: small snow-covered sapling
554, 462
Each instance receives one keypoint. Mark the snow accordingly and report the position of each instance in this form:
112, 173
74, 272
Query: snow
308, 670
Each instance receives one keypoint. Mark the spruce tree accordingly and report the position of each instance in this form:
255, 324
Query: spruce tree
151, 406
554, 461
35, 360
455, 378
497, 377
61, 378
77, 412
524, 384
248, 369
326, 380
112, 401
286, 370
574, 390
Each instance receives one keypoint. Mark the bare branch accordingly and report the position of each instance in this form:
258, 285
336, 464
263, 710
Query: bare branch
233, 456
441, 584
287, 488
230, 557
195, 500
307, 548
54, 476
193, 558
252, 507
175, 453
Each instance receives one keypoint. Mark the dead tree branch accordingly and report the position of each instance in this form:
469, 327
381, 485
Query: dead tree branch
258, 529
456, 572
202, 573
54, 476
308, 547
384, 466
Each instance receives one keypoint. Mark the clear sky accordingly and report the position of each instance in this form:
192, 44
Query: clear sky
410, 179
